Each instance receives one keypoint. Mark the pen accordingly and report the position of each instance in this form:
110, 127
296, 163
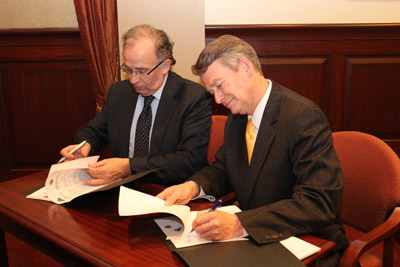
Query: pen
216, 205
73, 151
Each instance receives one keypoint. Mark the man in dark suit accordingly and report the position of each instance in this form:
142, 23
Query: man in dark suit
290, 182
178, 117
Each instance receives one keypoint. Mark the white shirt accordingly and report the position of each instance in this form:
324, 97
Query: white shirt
138, 110
259, 111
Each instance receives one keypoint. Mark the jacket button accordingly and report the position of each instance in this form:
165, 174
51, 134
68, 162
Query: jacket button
275, 236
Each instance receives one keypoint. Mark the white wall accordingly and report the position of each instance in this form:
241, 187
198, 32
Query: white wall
61, 13
28, 14
182, 20
301, 11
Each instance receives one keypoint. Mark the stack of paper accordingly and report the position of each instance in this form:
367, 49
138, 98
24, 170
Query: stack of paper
66, 181
177, 228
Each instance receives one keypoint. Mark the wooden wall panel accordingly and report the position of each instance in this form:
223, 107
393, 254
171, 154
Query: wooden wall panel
307, 76
45, 95
351, 71
373, 95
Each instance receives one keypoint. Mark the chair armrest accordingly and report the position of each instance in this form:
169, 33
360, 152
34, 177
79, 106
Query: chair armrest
228, 199
384, 232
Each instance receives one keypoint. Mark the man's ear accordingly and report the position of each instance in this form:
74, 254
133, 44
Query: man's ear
246, 65
166, 66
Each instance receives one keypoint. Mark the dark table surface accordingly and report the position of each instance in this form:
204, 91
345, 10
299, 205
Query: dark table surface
88, 230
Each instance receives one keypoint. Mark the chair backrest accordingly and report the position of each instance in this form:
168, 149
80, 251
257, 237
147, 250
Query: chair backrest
371, 173
216, 135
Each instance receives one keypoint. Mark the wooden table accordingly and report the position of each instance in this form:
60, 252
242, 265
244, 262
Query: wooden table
89, 230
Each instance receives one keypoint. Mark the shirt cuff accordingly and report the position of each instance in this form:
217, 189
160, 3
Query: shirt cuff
201, 194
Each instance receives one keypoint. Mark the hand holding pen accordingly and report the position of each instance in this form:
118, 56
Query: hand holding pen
213, 208
216, 226
72, 151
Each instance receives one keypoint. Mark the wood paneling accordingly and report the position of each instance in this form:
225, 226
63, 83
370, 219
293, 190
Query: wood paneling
351, 71
372, 92
45, 95
305, 75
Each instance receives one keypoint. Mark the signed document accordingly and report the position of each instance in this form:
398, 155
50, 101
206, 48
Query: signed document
177, 228
65, 181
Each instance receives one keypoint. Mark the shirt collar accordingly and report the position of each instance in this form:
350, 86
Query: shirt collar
259, 111
158, 93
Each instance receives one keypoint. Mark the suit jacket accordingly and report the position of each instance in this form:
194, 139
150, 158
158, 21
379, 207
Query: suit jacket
180, 133
294, 183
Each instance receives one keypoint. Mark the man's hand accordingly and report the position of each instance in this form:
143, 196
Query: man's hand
80, 153
178, 194
217, 225
108, 170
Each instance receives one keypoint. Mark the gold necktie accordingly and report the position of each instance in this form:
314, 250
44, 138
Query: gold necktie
250, 138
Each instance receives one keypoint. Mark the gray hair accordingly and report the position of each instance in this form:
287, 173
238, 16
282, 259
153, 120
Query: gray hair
163, 45
228, 49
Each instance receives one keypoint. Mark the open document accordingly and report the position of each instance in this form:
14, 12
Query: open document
177, 228
65, 181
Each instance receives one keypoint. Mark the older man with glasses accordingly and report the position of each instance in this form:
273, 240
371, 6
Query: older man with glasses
153, 120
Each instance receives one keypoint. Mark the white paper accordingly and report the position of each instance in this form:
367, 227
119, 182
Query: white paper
40, 194
132, 202
177, 228
183, 237
65, 181
300, 248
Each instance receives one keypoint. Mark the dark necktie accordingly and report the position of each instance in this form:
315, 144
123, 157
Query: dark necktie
143, 129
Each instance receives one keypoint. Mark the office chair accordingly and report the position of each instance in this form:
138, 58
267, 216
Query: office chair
216, 136
370, 206
216, 140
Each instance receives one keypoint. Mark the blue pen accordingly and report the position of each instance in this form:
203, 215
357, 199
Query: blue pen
216, 205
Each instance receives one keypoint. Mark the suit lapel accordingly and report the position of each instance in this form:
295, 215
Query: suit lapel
164, 112
128, 105
265, 138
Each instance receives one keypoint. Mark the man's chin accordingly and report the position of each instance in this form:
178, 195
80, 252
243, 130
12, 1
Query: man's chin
237, 112
142, 91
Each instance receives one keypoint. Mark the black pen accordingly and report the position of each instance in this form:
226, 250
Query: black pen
216, 205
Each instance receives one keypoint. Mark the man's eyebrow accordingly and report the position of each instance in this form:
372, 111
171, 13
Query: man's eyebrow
140, 68
214, 83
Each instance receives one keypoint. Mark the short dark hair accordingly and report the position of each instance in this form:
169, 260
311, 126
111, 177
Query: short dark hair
228, 49
163, 45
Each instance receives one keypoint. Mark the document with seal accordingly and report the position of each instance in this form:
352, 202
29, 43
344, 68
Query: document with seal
65, 181
177, 228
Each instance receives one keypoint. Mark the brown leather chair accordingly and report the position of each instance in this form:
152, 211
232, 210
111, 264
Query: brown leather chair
370, 207
216, 136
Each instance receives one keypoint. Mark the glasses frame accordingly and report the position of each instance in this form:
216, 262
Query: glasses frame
139, 72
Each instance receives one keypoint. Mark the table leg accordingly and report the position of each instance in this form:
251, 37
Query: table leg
3, 249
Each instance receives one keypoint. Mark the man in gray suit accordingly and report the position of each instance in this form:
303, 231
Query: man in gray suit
178, 122
290, 182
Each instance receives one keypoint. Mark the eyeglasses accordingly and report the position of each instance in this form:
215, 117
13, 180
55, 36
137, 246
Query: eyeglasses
138, 72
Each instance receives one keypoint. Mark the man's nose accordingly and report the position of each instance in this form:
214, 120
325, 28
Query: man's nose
133, 78
218, 97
